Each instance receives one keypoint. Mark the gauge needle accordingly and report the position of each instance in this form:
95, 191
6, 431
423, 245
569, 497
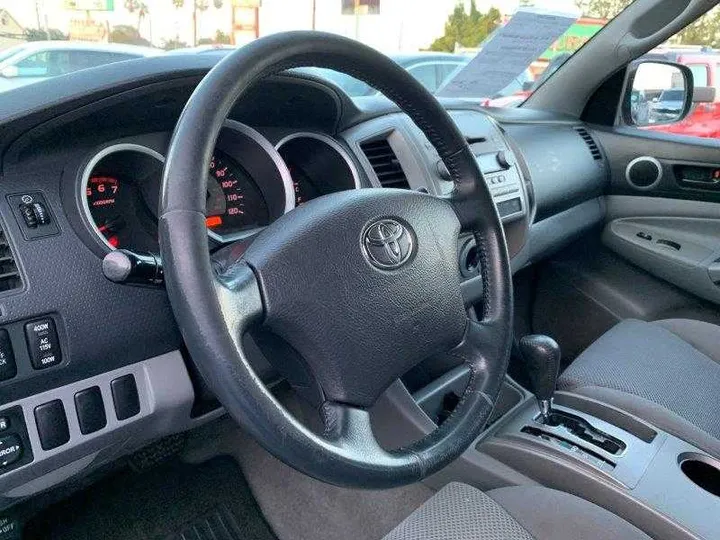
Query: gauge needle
110, 227
213, 221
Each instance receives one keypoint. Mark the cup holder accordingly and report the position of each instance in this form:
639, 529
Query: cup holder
702, 470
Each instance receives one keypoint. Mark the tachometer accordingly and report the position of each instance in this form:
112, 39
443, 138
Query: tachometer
234, 202
102, 194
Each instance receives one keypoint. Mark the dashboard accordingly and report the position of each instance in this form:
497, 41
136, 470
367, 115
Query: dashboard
81, 177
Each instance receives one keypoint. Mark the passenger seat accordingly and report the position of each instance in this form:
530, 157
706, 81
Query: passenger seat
666, 372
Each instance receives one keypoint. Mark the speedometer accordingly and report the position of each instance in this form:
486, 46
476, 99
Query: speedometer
234, 202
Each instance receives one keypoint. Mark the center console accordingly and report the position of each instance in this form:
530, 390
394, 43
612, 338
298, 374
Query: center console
665, 486
650, 478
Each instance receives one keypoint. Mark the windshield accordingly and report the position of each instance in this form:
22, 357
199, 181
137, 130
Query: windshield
495, 53
672, 95
12, 51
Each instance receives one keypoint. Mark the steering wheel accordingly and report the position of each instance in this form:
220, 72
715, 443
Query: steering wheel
362, 284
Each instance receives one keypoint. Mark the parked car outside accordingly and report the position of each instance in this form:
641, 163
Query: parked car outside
667, 107
704, 118
430, 68
34, 61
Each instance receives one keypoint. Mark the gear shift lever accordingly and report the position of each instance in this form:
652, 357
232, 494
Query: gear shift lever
541, 356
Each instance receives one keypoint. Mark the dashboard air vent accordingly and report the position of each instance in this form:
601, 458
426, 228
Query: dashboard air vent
385, 164
591, 144
9, 273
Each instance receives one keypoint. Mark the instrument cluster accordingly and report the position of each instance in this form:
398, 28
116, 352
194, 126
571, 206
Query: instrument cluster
250, 183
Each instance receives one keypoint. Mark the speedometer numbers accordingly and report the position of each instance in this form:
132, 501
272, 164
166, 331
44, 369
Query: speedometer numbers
234, 203
121, 200
102, 194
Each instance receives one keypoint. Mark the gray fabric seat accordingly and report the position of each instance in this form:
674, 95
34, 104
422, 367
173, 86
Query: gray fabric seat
666, 372
461, 512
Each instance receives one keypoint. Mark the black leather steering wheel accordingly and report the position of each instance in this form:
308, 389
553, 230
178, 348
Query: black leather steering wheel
362, 284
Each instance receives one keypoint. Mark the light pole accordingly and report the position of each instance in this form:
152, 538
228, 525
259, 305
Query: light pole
357, 20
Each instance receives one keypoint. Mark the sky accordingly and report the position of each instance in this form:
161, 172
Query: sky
404, 25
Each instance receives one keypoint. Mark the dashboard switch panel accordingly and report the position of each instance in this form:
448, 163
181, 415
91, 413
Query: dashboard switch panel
125, 397
43, 344
15, 449
8, 367
11, 449
33, 215
52, 424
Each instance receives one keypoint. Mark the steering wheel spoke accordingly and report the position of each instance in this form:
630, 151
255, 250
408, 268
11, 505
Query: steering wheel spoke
238, 293
349, 427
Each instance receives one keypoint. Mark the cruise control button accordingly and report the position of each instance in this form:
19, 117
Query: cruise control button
10, 450
42, 342
4, 423
8, 368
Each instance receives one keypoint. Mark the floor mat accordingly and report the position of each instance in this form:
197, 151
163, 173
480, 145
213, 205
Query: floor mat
173, 501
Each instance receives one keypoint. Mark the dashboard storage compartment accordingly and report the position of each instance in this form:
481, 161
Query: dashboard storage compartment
702, 470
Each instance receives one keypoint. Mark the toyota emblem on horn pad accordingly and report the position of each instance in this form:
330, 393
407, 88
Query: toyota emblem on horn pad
387, 244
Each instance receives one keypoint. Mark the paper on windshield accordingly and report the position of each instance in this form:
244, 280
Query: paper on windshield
508, 53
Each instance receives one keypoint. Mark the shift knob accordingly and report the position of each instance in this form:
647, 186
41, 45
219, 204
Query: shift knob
541, 356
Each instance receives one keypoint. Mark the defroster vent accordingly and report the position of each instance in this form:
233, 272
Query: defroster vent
590, 142
385, 164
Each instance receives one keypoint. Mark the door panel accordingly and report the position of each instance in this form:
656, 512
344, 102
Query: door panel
664, 206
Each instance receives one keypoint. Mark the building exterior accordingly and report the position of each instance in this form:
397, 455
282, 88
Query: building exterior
388, 25
11, 32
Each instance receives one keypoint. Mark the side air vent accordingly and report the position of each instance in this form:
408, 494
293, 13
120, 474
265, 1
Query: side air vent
385, 164
591, 144
9, 273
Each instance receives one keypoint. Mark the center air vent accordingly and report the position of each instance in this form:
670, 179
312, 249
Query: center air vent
9, 273
591, 144
385, 164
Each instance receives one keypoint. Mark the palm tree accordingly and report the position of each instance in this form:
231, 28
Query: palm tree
198, 5
142, 13
141, 7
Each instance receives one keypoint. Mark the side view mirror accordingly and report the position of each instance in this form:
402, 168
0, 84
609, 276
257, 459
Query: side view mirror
672, 90
9, 72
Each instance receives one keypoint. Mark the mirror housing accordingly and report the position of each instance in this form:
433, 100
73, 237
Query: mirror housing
657, 92
9, 72
704, 94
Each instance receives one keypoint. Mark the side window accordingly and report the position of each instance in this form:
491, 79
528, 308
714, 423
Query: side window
35, 65
446, 70
427, 75
88, 59
700, 73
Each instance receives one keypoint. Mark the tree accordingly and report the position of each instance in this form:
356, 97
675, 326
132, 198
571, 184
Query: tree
124, 33
221, 38
467, 29
36, 34
170, 44
141, 7
602, 9
198, 6
704, 31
